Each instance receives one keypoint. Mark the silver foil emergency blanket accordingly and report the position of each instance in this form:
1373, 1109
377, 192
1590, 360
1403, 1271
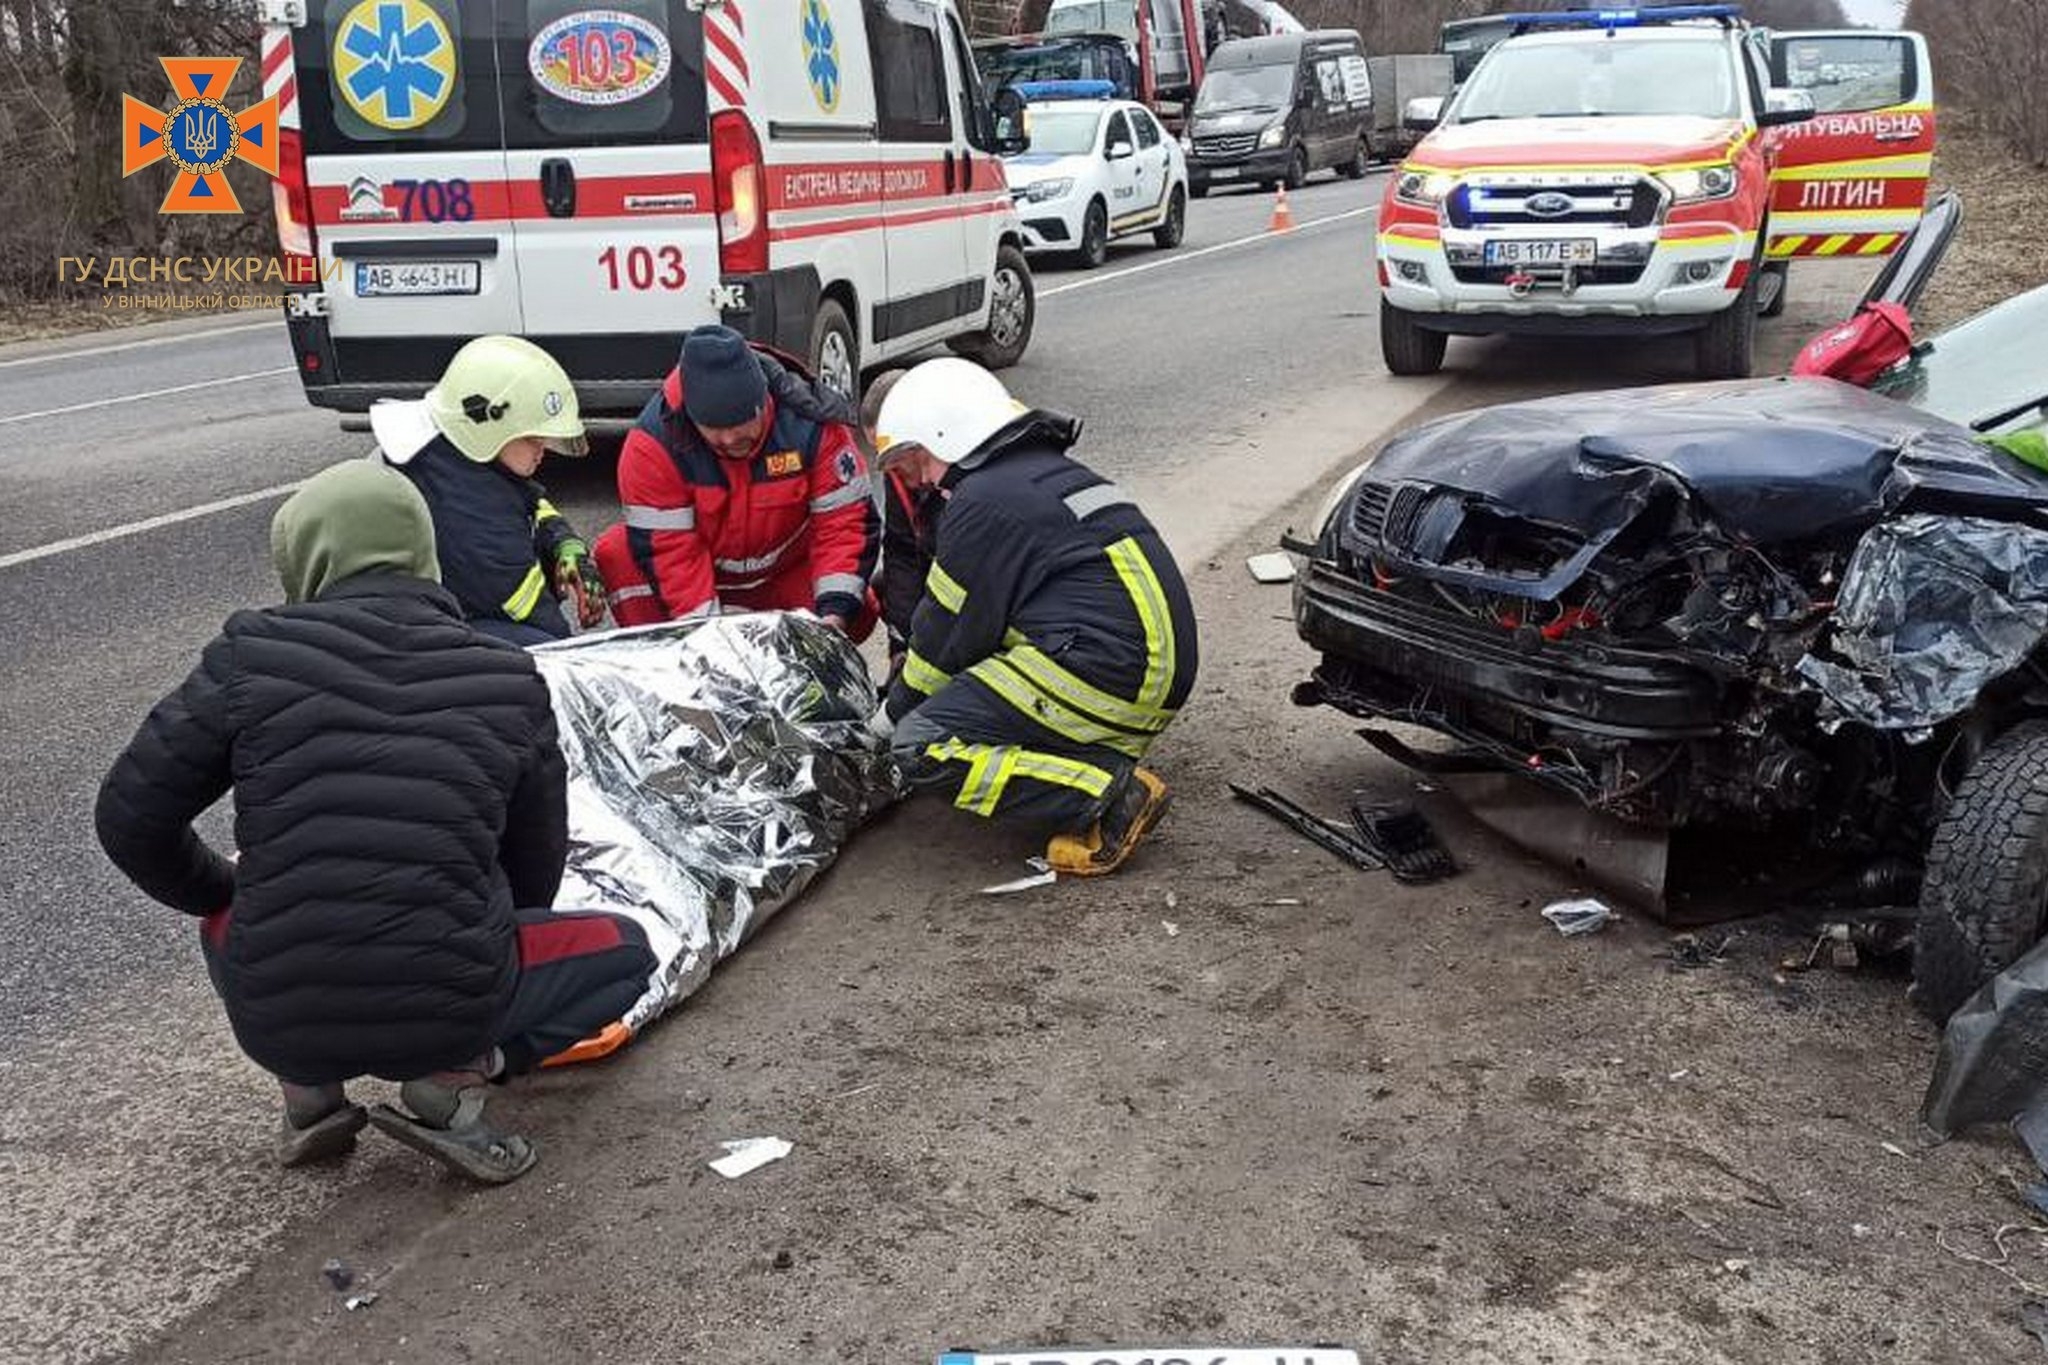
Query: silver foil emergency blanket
716, 767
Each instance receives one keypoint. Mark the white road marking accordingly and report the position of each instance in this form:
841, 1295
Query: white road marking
136, 528
140, 397
1181, 257
137, 345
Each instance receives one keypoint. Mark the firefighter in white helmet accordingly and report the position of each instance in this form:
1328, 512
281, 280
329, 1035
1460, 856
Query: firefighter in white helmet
1055, 640
472, 447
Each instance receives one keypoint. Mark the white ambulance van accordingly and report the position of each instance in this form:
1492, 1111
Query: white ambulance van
603, 175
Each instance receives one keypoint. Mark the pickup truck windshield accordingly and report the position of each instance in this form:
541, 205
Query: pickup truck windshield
1603, 75
1062, 132
1246, 87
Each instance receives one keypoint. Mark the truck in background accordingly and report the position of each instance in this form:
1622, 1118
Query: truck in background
1396, 80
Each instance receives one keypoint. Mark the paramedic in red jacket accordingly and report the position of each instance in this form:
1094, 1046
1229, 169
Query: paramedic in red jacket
735, 501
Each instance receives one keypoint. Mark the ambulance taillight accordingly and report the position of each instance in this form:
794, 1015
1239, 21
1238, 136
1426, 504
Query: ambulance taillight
738, 184
292, 196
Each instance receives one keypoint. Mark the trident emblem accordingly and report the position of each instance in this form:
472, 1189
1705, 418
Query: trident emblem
202, 133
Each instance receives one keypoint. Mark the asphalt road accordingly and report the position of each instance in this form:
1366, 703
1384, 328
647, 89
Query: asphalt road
1218, 381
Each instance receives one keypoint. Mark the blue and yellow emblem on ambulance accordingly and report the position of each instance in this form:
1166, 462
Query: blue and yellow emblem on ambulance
599, 57
821, 54
200, 135
394, 63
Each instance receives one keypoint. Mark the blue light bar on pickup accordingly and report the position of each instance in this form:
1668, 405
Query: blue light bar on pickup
1623, 18
1064, 90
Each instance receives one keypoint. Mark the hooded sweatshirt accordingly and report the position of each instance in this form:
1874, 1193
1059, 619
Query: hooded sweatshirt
347, 520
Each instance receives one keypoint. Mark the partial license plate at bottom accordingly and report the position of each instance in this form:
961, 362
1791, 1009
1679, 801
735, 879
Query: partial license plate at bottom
385, 279
1217, 173
1163, 1355
1547, 251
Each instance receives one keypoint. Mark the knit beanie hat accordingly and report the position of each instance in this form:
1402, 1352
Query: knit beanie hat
723, 385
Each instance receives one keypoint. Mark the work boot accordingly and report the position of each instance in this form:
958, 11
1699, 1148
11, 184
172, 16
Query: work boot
319, 1124
447, 1124
1127, 816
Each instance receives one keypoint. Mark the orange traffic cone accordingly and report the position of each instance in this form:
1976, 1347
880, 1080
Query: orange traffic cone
1283, 218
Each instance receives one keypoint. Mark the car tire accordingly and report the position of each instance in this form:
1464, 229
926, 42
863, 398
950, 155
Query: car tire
835, 350
1169, 233
1408, 347
1986, 881
1360, 162
1012, 313
1782, 271
1198, 189
1094, 248
1297, 169
1726, 347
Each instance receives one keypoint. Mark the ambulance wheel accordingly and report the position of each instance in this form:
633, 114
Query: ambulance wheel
1094, 249
1774, 296
1408, 347
1985, 890
1013, 308
835, 355
1297, 169
1169, 233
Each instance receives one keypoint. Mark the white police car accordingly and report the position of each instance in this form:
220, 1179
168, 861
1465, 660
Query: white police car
1096, 169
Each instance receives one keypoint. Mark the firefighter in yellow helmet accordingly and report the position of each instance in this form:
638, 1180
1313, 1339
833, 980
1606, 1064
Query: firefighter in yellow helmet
472, 447
1056, 639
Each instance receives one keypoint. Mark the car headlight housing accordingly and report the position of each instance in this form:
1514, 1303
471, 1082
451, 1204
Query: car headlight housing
1426, 188
1336, 498
1273, 136
1039, 191
1696, 183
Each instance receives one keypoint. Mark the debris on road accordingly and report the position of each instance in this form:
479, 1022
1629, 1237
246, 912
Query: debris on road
1690, 952
1574, 918
1172, 929
1041, 875
1271, 568
749, 1154
1317, 831
339, 1276
1403, 839
362, 1300
2034, 1319
1989, 1069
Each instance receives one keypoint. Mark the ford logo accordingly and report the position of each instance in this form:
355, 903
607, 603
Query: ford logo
1549, 204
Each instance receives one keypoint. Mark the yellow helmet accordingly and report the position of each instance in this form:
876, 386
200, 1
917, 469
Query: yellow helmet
500, 388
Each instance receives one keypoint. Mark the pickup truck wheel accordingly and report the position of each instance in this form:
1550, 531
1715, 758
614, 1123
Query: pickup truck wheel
1169, 233
1781, 273
1986, 884
1094, 249
1726, 347
1408, 347
835, 353
1297, 169
1013, 308
1355, 168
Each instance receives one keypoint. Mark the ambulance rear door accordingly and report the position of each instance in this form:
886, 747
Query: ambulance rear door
1852, 180
405, 161
609, 158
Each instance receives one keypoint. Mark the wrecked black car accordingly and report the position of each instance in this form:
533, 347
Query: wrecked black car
1788, 610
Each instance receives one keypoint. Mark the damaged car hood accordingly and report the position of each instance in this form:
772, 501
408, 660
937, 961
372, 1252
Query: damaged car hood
1769, 461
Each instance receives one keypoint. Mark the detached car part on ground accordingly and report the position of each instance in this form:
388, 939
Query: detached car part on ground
1792, 609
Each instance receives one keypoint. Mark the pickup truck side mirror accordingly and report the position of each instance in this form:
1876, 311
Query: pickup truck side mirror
1421, 115
1785, 106
1119, 150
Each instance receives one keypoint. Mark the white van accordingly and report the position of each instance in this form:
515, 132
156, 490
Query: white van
602, 175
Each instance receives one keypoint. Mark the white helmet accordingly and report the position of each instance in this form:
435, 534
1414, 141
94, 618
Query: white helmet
949, 406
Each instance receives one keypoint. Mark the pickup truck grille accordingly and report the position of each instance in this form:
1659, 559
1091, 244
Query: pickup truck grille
1225, 145
1585, 274
1609, 201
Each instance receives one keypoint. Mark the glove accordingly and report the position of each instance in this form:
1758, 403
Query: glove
880, 726
576, 581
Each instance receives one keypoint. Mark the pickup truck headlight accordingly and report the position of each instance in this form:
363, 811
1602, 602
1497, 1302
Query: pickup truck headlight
1698, 183
1427, 188
1273, 136
1040, 191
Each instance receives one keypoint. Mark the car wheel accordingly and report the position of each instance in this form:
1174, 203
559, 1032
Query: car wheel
1356, 167
1726, 347
1169, 233
1777, 280
1986, 882
1094, 249
835, 353
1408, 347
1297, 169
1198, 189
1013, 309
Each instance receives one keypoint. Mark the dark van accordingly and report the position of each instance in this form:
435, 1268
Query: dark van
1279, 108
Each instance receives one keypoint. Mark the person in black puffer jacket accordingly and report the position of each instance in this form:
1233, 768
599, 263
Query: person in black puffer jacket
401, 816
